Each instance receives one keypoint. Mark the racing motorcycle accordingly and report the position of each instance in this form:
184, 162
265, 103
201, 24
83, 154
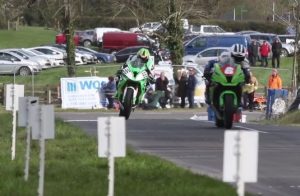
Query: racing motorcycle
225, 92
132, 85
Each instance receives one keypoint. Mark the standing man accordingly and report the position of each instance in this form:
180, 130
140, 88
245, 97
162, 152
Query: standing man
191, 86
110, 90
264, 53
253, 52
276, 50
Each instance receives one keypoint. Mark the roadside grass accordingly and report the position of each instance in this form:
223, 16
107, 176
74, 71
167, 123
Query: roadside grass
262, 74
292, 118
73, 168
26, 37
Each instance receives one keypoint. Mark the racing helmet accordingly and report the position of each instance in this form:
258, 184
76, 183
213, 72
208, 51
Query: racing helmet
238, 52
144, 54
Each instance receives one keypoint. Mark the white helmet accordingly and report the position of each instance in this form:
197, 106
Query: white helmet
238, 50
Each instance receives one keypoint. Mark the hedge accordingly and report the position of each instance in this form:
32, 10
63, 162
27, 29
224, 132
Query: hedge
235, 26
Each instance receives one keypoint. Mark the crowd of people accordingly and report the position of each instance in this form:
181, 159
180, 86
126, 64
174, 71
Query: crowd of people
160, 94
262, 51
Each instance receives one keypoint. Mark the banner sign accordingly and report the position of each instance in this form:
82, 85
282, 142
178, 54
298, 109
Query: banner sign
83, 92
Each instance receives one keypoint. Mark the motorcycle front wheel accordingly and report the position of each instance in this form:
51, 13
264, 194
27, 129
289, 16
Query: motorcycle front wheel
127, 104
228, 111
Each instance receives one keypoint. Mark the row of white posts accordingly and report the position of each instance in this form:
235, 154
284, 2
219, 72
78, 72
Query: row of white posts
240, 147
40, 125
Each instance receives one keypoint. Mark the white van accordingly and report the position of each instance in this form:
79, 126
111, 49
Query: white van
99, 31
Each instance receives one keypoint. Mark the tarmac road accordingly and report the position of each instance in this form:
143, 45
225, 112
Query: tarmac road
198, 146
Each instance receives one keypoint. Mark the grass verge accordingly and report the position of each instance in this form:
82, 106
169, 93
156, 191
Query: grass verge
26, 37
73, 168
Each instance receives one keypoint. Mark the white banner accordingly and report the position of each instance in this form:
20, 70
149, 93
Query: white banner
83, 92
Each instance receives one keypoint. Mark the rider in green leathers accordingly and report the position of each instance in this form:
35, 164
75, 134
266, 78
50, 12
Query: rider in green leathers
236, 55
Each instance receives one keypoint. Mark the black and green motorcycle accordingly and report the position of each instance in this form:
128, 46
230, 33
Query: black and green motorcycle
132, 84
225, 92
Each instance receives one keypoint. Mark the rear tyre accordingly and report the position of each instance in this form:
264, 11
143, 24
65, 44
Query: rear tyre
228, 111
127, 105
24, 71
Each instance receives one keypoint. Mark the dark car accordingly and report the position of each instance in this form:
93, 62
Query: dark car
122, 55
102, 57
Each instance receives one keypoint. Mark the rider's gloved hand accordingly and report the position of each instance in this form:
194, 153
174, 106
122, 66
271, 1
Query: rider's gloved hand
151, 79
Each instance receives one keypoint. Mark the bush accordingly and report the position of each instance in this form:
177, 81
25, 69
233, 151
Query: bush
118, 22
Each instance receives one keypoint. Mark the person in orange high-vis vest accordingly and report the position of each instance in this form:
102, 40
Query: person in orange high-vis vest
275, 81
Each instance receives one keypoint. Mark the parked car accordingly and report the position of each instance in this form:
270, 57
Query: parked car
12, 64
123, 55
53, 52
146, 27
43, 62
202, 42
202, 58
101, 57
54, 62
115, 41
81, 58
86, 37
62, 39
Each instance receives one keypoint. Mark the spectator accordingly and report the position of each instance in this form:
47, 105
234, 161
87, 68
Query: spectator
109, 91
249, 91
276, 52
275, 81
182, 87
264, 53
191, 86
161, 84
253, 52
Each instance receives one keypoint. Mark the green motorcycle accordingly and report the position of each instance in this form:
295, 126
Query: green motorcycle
225, 92
132, 84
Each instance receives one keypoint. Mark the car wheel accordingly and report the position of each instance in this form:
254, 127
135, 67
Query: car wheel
24, 71
284, 52
87, 43
101, 60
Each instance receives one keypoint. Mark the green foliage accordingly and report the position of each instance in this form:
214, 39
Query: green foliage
87, 22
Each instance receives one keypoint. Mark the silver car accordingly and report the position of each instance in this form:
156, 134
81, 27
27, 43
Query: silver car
202, 58
43, 62
11, 64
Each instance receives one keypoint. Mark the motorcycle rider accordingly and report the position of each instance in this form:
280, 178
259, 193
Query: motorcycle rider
237, 55
141, 58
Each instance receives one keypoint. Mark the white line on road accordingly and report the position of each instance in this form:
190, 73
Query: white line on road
80, 120
251, 129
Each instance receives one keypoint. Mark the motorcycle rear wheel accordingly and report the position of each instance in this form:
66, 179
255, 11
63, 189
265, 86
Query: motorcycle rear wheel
127, 104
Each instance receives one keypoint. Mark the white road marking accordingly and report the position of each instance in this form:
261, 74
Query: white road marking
80, 120
250, 129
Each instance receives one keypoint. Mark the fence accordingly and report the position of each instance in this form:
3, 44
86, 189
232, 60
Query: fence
47, 95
